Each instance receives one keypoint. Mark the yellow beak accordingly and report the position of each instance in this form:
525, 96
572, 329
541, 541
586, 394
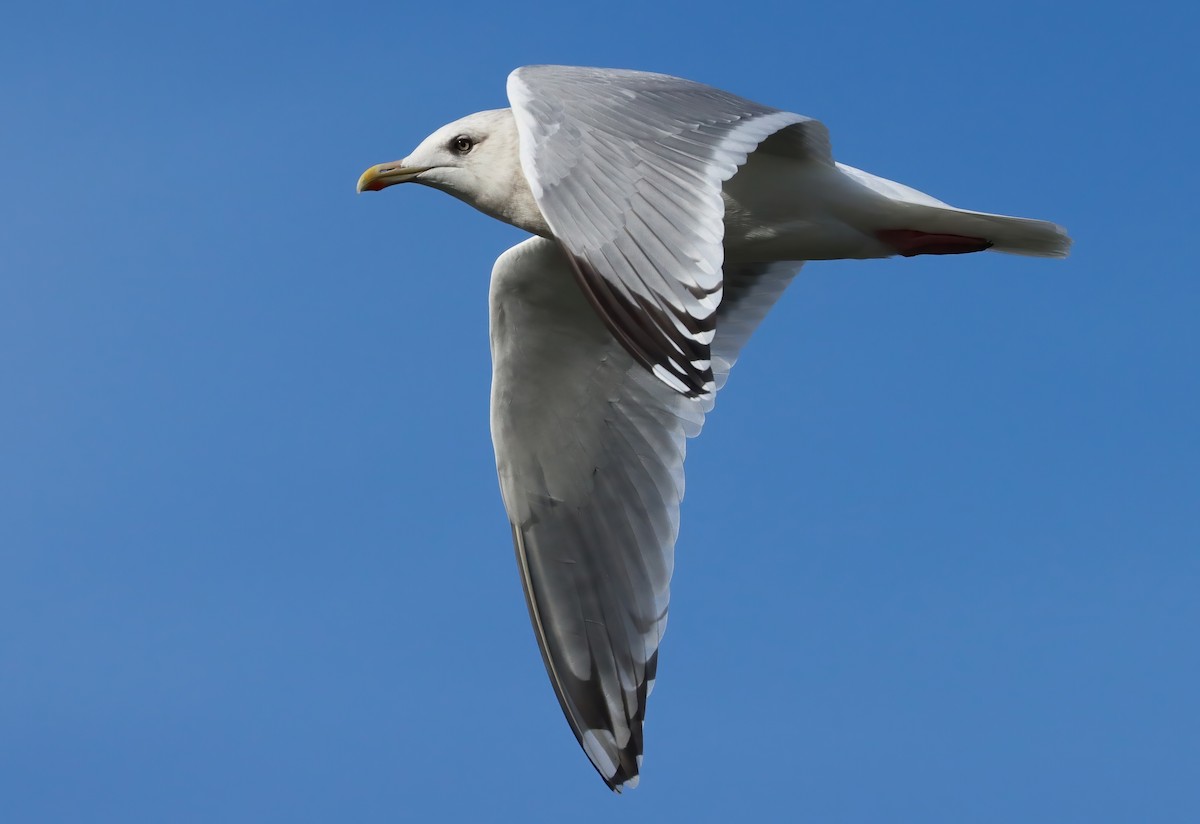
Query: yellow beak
387, 174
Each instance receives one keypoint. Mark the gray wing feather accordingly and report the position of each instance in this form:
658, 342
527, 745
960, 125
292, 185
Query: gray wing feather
751, 289
589, 451
627, 169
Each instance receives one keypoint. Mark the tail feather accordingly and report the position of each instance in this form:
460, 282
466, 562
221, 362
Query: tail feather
1015, 235
911, 209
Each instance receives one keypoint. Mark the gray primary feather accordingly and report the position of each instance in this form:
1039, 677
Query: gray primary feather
590, 448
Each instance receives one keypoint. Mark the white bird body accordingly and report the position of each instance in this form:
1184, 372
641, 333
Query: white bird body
776, 207
669, 217
813, 212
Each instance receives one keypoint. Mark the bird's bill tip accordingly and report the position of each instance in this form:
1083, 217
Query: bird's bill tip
387, 174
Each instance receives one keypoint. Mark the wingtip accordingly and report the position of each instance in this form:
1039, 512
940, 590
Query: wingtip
613, 763
622, 781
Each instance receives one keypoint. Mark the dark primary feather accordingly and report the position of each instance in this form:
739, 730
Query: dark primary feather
590, 450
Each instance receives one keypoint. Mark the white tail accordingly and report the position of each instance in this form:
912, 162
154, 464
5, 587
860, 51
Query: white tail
911, 209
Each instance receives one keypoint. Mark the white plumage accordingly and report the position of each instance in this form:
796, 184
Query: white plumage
670, 217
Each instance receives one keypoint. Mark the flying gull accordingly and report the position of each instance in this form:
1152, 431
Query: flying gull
667, 218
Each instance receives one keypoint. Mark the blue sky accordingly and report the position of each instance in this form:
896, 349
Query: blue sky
940, 549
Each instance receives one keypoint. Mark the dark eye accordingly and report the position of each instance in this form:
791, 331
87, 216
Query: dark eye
462, 144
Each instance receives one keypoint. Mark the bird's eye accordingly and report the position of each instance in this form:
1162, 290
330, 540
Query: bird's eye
462, 144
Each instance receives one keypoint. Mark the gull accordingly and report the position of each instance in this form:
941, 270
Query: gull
667, 217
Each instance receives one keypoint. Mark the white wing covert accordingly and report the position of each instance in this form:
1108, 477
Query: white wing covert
589, 450
627, 169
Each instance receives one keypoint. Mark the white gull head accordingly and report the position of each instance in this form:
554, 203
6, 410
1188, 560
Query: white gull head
476, 159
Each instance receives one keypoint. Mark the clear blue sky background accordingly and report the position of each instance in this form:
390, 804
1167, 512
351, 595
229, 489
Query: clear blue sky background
940, 552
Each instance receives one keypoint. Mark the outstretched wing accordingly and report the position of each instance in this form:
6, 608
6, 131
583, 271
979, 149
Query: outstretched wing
627, 169
589, 450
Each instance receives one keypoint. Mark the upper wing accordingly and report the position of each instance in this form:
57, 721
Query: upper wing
589, 450
627, 169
